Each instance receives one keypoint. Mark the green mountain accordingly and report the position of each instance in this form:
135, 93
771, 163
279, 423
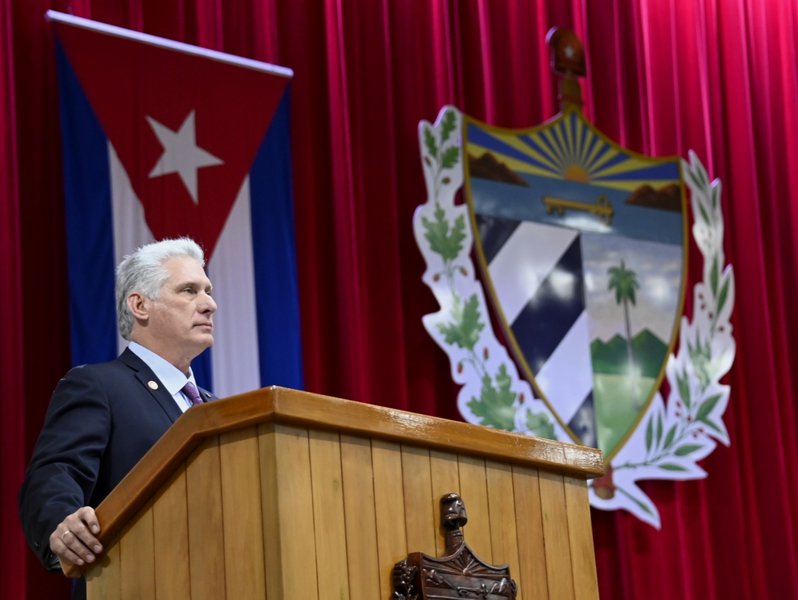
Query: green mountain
610, 357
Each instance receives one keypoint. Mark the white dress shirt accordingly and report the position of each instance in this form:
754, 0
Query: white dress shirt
168, 375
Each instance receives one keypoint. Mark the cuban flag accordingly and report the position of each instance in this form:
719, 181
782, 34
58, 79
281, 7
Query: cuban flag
163, 139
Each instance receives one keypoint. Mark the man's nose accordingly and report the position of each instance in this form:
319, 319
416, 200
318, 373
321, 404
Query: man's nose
207, 303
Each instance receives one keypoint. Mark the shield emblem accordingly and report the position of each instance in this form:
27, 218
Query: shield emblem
583, 247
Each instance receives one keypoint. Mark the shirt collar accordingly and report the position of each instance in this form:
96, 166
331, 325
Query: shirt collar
169, 375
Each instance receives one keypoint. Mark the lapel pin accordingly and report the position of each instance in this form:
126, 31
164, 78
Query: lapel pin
153, 385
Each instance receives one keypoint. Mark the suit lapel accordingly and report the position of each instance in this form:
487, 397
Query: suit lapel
146, 379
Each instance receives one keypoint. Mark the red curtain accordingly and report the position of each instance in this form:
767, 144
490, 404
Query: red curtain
12, 451
665, 76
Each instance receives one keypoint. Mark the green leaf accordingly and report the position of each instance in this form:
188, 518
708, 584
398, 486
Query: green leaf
659, 429
465, 327
687, 449
645, 507
649, 431
707, 406
724, 293
669, 437
671, 467
713, 276
448, 243
496, 404
540, 425
704, 214
701, 356
684, 389
702, 176
693, 178
637, 501
448, 125
451, 157
712, 425
429, 142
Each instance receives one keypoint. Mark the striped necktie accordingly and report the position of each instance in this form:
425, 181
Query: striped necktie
191, 393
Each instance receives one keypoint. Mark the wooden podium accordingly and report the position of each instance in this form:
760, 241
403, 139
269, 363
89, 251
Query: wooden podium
288, 495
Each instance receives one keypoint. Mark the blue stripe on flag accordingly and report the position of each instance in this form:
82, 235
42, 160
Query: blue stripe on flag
276, 287
203, 371
548, 316
494, 233
90, 248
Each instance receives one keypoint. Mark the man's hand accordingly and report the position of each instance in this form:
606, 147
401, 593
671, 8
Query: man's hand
73, 540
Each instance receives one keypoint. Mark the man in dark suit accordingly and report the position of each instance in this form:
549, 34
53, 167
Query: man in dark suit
103, 418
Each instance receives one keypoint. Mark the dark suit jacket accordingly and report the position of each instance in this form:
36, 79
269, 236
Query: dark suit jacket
101, 420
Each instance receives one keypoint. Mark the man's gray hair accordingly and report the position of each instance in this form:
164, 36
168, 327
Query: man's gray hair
143, 271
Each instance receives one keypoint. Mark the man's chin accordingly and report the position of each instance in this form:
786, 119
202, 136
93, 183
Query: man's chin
204, 342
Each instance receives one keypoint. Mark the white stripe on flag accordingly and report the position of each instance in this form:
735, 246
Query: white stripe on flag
236, 362
524, 262
567, 377
130, 226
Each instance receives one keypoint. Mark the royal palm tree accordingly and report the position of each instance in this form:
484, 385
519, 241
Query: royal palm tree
624, 282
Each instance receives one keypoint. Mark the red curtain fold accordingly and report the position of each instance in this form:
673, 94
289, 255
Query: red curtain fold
12, 438
664, 77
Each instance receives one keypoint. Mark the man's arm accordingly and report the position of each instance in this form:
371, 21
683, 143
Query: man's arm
63, 472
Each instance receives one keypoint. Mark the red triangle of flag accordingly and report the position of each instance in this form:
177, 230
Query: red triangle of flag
185, 126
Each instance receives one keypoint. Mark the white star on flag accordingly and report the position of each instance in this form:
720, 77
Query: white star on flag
181, 154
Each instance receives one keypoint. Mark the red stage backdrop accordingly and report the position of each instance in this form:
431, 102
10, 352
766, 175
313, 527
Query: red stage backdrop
664, 76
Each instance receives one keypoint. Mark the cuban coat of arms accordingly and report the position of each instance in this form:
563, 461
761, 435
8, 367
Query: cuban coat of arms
561, 276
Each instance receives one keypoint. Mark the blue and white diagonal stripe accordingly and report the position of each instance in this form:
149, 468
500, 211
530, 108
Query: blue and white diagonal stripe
538, 281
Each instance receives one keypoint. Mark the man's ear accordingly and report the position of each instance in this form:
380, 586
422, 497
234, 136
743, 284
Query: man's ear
139, 306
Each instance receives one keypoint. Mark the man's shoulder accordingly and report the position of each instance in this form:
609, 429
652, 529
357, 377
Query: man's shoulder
100, 366
125, 363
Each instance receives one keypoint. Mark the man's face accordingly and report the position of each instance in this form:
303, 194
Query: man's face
181, 317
